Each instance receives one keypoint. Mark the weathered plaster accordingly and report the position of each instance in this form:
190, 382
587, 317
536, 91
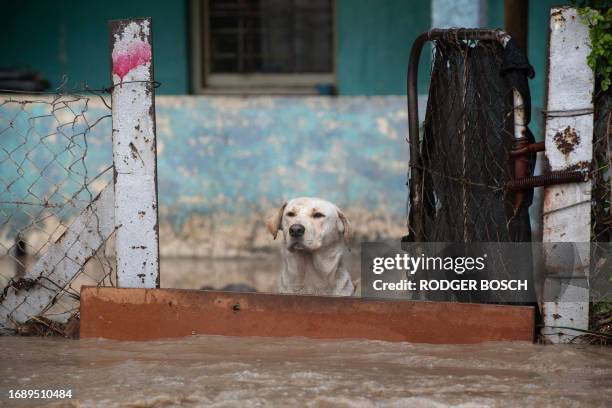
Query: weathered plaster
458, 13
224, 163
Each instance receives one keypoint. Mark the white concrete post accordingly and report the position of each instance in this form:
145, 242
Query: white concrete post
569, 146
134, 153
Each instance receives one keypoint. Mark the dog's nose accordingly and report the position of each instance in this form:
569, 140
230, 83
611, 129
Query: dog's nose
296, 230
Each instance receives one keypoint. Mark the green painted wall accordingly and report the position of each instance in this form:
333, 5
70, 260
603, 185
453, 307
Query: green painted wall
539, 15
71, 37
374, 39
373, 43
495, 14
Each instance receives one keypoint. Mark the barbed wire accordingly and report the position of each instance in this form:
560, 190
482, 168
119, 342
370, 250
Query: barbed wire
61, 89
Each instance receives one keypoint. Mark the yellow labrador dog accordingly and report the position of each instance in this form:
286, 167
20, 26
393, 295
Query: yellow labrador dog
316, 234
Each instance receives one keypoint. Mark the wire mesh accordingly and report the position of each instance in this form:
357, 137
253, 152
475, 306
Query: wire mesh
55, 158
464, 159
467, 138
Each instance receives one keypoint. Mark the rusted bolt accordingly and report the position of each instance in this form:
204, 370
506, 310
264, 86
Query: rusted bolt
236, 307
555, 177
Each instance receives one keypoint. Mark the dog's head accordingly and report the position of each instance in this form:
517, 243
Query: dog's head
309, 224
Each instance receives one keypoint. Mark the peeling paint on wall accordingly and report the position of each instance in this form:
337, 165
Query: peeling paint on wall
228, 162
225, 163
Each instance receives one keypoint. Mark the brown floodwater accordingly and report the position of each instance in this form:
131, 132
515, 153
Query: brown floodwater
214, 371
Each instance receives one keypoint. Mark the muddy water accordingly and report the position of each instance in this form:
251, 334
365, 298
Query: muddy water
228, 372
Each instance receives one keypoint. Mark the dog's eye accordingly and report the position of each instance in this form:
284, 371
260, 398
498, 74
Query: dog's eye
290, 214
318, 215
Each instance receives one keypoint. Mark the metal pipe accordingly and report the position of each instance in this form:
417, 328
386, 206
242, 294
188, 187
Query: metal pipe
555, 177
415, 217
521, 164
519, 115
530, 148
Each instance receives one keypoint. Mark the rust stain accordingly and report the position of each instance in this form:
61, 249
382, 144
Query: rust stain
558, 13
147, 314
566, 140
558, 18
581, 165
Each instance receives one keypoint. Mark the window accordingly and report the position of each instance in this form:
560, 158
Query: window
263, 46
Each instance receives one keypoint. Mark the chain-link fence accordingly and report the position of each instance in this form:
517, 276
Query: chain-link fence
55, 159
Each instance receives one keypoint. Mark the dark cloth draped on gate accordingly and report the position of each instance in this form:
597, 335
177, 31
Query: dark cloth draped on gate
468, 134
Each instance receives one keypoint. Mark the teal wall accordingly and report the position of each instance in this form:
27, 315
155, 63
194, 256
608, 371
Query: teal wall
224, 164
539, 14
495, 14
71, 37
373, 42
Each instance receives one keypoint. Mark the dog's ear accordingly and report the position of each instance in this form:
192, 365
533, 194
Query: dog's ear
274, 223
344, 226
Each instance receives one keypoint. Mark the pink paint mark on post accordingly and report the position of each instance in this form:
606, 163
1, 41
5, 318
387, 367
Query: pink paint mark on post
138, 53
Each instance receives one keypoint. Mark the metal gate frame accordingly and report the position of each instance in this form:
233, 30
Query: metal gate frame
520, 149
